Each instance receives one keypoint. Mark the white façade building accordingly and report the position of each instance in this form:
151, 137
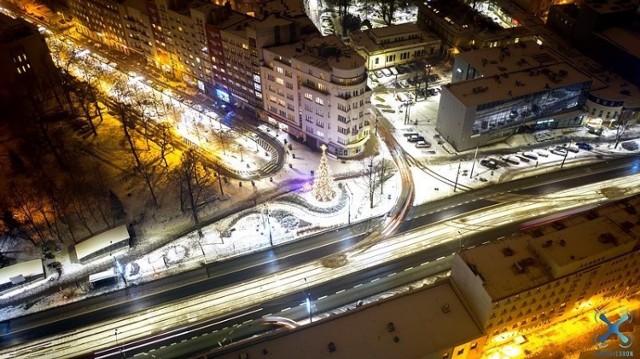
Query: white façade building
394, 45
486, 110
317, 91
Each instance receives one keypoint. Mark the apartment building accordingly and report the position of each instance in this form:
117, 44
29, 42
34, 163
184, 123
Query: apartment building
101, 20
31, 82
317, 91
394, 45
552, 272
463, 28
243, 46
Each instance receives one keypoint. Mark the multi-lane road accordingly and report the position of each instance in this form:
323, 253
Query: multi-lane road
266, 272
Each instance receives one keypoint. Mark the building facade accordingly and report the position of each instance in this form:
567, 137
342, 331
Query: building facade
317, 91
538, 93
463, 28
394, 45
553, 272
31, 81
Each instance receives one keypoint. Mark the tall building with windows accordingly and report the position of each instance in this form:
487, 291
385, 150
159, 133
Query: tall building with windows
551, 272
101, 20
243, 45
317, 91
30, 80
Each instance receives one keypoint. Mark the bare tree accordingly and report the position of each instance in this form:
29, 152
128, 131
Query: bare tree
165, 141
621, 126
126, 114
224, 138
195, 185
389, 7
373, 170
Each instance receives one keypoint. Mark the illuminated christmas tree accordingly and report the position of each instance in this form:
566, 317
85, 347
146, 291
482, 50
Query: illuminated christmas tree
323, 182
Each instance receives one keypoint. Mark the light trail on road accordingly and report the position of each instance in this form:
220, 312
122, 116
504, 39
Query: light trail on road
238, 296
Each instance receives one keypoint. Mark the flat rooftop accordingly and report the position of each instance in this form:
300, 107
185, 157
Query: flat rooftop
596, 240
365, 39
426, 321
515, 57
495, 264
508, 266
500, 87
324, 53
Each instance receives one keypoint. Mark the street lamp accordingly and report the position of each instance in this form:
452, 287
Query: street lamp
349, 208
426, 81
266, 207
240, 150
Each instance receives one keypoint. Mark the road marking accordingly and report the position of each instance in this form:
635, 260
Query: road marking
340, 291
394, 273
357, 285
407, 269
285, 309
440, 258
425, 263
373, 280
487, 242
324, 296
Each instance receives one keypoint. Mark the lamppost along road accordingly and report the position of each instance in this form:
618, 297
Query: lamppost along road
235, 297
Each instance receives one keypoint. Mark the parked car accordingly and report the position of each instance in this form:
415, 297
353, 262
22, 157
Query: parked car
386, 72
423, 144
415, 139
393, 70
542, 153
511, 159
585, 146
559, 151
411, 134
403, 83
378, 73
530, 155
572, 148
489, 163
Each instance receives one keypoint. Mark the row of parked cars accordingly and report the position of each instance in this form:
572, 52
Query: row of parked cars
528, 156
418, 140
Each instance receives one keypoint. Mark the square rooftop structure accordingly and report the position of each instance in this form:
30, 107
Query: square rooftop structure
431, 322
515, 84
496, 264
579, 247
499, 60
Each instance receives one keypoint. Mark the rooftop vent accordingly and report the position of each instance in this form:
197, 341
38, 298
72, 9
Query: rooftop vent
547, 243
507, 251
608, 238
562, 243
445, 308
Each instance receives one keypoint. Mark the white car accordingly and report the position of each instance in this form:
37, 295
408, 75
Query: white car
386, 72
542, 153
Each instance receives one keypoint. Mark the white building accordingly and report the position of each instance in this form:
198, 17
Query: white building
317, 91
486, 110
394, 45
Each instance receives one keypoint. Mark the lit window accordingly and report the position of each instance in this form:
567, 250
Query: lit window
279, 81
319, 101
308, 96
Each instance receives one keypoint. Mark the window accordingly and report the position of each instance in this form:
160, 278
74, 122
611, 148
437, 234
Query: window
279, 81
279, 70
376, 61
474, 345
308, 96
319, 101
461, 351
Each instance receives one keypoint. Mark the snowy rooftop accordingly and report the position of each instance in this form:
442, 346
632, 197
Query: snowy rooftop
515, 57
324, 53
367, 38
592, 242
488, 89
517, 263
427, 322
610, 86
495, 263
